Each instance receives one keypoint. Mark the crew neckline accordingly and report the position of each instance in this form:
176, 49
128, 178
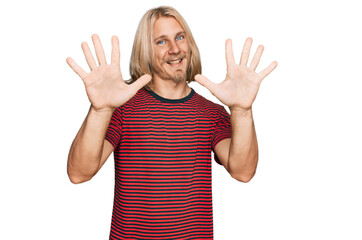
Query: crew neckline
166, 100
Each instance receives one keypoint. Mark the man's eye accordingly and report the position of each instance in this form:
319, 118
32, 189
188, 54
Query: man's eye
161, 42
180, 37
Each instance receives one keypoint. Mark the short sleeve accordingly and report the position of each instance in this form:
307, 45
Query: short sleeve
114, 130
222, 130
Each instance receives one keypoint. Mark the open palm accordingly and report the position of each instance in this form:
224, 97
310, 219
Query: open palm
105, 86
241, 85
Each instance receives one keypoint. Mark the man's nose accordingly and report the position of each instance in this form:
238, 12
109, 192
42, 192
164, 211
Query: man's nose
174, 48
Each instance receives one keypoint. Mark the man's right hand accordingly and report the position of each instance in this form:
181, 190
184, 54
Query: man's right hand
105, 86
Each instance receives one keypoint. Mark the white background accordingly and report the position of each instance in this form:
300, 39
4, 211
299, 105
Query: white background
307, 115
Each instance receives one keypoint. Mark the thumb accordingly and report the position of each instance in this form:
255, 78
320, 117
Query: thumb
204, 81
141, 82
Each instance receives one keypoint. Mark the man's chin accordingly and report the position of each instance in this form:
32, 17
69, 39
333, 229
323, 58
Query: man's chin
176, 76
179, 77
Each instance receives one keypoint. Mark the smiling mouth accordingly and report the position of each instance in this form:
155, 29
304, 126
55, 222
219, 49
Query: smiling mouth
174, 62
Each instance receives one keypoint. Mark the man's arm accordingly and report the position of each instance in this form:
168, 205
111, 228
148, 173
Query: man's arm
239, 154
89, 150
238, 91
106, 91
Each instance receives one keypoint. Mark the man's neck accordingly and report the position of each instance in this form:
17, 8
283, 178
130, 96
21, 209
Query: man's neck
169, 89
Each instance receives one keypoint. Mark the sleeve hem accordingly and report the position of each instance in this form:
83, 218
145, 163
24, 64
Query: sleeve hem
216, 142
112, 141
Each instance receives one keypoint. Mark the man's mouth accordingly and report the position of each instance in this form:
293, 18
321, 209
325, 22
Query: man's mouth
174, 61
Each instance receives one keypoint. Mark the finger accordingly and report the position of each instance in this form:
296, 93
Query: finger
76, 68
115, 59
229, 54
268, 70
88, 56
206, 83
140, 82
99, 49
246, 51
256, 59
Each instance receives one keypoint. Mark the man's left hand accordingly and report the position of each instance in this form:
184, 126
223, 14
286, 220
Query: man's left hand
241, 85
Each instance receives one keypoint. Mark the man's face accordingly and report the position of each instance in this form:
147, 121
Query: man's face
171, 50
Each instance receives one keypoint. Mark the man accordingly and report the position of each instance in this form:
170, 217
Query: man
162, 132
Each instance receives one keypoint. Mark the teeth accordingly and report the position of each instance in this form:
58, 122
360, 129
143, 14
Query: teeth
175, 62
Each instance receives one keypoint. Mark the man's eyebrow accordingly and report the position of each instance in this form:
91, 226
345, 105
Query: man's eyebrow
166, 36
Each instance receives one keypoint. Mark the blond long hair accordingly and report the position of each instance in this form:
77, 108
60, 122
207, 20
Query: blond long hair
142, 51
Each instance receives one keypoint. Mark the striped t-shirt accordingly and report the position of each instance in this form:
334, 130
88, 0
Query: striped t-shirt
163, 166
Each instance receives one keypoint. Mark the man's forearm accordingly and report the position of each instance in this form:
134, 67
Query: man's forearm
243, 152
86, 150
